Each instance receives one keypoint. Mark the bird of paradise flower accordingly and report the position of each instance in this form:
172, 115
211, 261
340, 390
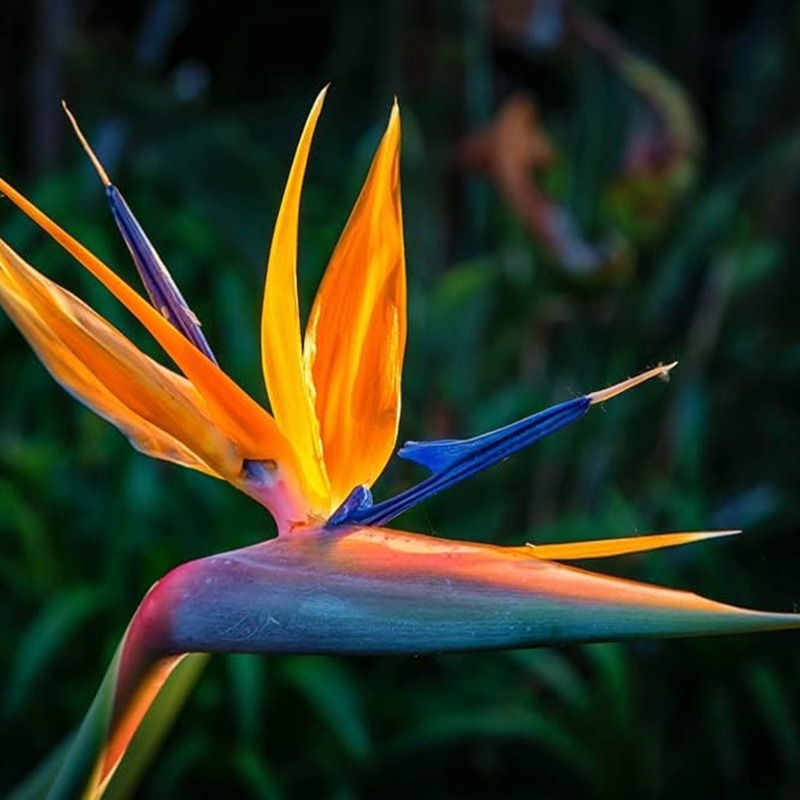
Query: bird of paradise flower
334, 580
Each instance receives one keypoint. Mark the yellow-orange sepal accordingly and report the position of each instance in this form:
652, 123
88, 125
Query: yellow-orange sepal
356, 333
231, 409
290, 388
161, 413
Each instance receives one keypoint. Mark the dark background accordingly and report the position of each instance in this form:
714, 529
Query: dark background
195, 108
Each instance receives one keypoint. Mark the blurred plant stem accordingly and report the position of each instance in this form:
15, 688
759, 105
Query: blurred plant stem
57, 22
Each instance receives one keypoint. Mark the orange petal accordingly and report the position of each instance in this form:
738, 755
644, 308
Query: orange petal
161, 412
291, 393
357, 330
616, 547
232, 410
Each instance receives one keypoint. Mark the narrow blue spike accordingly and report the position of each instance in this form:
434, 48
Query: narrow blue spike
164, 293
452, 460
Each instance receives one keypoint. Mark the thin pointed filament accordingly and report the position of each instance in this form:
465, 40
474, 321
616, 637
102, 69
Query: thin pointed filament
161, 287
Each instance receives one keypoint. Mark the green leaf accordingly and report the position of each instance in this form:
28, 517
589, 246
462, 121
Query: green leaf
57, 623
155, 727
327, 686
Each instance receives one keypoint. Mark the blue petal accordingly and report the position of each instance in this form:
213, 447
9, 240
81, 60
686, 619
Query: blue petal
437, 456
452, 460
358, 500
164, 294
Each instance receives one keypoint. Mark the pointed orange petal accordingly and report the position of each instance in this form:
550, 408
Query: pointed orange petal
602, 548
232, 410
357, 330
291, 393
160, 411
74, 377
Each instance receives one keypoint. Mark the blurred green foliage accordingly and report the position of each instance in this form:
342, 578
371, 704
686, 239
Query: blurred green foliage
195, 112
